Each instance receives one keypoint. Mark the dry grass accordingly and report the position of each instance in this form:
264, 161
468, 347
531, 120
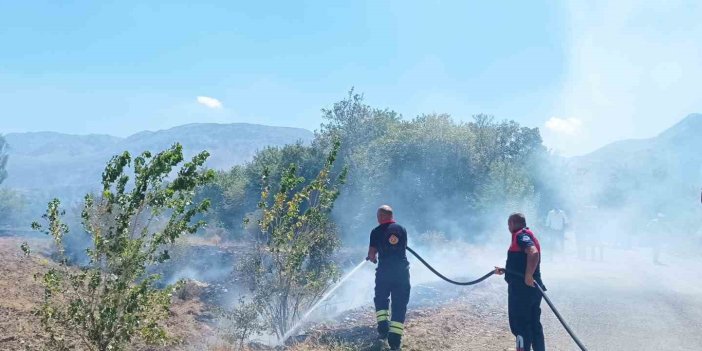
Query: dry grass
19, 329
475, 321
21, 293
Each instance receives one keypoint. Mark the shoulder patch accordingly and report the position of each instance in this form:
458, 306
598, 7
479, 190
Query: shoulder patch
526, 238
393, 239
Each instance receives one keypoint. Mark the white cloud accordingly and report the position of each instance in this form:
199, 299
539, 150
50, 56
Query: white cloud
209, 102
567, 126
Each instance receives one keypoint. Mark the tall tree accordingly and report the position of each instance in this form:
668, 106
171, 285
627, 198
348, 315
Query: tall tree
3, 158
439, 173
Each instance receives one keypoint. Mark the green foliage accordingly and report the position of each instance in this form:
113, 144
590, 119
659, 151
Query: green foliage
239, 324
113, 300
429, 167
290, 265
432, 167
3, 159
355, 124
11, 203
236, 193
228, 196
12, 207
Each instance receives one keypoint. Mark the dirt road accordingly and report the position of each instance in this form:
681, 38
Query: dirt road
630, 304
624, 303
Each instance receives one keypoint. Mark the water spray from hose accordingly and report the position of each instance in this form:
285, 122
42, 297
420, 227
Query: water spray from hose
319, 303
489, 274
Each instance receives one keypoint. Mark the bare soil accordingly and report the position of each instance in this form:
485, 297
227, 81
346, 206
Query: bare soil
476, 320
624, 303
20, 293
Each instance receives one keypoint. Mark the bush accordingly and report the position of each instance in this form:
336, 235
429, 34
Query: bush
239, 324
113, 299
290, 265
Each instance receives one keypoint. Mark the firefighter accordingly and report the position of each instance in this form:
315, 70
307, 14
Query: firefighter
522, 271
556, 223
657, 228
388, 244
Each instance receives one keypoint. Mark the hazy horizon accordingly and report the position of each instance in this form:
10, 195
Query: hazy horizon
587, 75
156, 130
315, 129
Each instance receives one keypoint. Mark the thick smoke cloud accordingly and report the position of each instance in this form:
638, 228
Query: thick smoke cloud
633, 69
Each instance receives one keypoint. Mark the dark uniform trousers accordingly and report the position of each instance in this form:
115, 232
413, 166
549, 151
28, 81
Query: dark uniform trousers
524, 305
392, 283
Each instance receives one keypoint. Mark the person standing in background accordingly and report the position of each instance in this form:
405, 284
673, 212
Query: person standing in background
589, 233
658, 231
556, 224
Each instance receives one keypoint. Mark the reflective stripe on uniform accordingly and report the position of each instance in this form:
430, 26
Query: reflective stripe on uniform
396, 327
382, 315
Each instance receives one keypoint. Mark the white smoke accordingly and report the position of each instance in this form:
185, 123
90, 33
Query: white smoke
633, 69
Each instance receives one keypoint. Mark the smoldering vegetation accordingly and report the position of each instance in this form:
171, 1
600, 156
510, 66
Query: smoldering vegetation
633, 214
632, 208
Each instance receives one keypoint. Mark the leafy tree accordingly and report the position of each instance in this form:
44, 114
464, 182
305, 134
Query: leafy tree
3, 159
290, 265
12, 203
114, 300
432, 167
429, 167
354, 124
359, 127
239, 324
434, 171
230, 199
12, 207
237, 192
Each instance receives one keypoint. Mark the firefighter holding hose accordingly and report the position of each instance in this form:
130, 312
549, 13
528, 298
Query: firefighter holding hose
522, 271
388, 245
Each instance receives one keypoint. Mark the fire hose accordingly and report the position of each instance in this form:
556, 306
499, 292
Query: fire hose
473, 282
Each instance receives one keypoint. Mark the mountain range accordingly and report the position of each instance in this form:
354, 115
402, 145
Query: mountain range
63, 164
659, 174
663, 169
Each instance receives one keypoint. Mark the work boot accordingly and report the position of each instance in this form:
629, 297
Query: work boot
380, 344
394, 341
383, 328
395, 335
383, 318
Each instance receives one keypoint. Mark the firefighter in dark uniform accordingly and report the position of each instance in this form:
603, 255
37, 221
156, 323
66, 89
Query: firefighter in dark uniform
388, 244
521, 272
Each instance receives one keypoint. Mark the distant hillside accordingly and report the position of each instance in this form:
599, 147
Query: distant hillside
677, 149
62, 164
660, 174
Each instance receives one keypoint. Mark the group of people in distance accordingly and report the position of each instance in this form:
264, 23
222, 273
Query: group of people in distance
602, 228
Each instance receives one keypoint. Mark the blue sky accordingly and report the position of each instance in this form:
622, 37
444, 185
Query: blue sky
121, 67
